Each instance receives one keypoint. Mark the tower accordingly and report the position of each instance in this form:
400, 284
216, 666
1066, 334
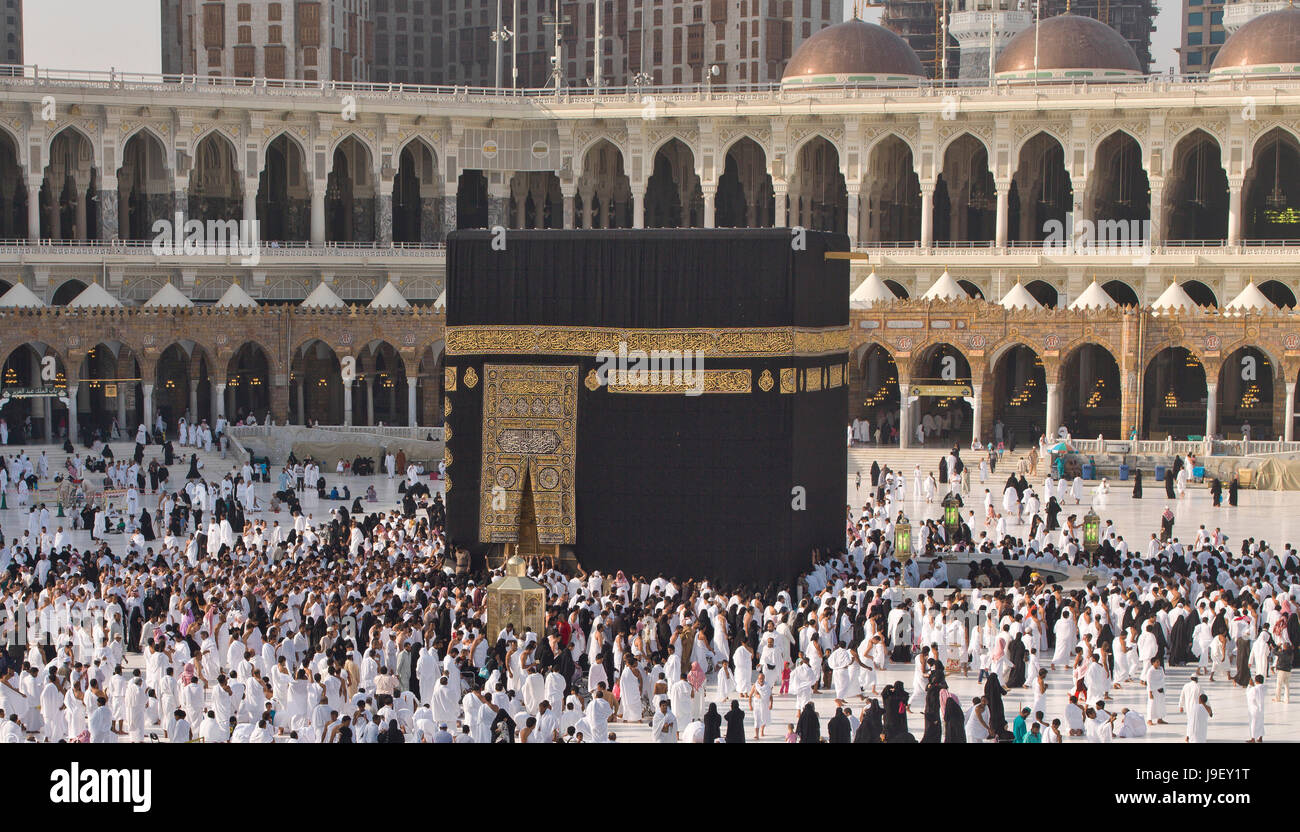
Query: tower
985, 24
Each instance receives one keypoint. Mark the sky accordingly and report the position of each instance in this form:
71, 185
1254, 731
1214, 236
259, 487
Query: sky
124, 34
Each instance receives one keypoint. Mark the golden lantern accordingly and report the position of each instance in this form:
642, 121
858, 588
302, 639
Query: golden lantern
903, 541
516, 599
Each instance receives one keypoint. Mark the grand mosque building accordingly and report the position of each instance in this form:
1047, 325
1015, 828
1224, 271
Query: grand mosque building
1071, 243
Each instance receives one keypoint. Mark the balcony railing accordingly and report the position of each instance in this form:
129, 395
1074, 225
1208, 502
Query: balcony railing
35, 76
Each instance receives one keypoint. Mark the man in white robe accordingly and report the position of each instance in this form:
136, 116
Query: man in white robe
445, 702
1256, 696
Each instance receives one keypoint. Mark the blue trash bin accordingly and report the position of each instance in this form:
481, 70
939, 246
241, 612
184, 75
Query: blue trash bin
1160, 473
1087, 472
1123, 473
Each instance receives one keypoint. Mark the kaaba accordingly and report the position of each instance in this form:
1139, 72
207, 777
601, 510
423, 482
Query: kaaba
655, 401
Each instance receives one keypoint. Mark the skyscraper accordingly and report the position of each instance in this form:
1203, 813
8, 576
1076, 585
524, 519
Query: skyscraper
308, 40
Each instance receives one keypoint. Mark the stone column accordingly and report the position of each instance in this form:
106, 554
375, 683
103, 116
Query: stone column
587, 213
250, 205
148, 406
1211, 408
1157, 235
47, 404
1053, 409
318, 212
73, 389
121, 407
779, 207
1004, 205
347, 404
1234, 213
927, 214
450, 218
80, 232
569, 208
383, 214
370, 400
412, 383
1288, 421
220, 399
710, 206
194, 402
855, 198
108, 209
34, 208
904, 434
977, 411
638, 206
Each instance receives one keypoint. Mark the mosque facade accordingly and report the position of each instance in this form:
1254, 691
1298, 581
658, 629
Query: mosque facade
1078, 243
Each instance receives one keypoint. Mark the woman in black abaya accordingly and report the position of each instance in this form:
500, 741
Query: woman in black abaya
146, 525
809, 728
712, 724
954, 721
996, 715
1137, 484
871, 727
933, 711
1017, 654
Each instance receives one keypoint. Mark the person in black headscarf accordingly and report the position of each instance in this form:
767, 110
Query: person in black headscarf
1216, 492
1137, 484
996, 716
875, 473
1180, 642
169, 453
954, 722
1169, 484
712, 724
1053, 509
933, 715
1242, 676
837, 729
503, 727
895, 702
809, 728
735, 722
943, 469
870, 727
1233, 488
1017, 655
193, 473
146, 525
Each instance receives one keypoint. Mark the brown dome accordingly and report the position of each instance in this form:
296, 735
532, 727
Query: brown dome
1267, 45
853, 52
1069, 46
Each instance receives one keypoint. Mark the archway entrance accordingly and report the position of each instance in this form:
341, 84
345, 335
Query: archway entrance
1019, 397
1245, 395
248, 383
1090, 388
942, 374
878, 398
1173, 395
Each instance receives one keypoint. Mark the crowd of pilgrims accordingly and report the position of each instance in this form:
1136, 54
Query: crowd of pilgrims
366, 627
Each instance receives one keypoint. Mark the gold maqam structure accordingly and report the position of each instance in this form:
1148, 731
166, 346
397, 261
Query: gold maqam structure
516, 599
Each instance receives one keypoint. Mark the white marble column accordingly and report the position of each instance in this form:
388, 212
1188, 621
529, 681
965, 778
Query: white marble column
73, 389
927, 215
1211, 409
34, 208
904, 433
1053, 409
347, 404
1288, 426
1234, 214
318, 212
977, 410
220, 403
148, 406
412, 384
1004, 206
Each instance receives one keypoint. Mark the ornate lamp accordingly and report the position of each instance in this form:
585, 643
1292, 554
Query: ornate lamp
1091, 532
903, 540
516, 599
951, 514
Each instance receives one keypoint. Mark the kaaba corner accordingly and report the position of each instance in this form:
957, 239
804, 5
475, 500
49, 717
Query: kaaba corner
655, 401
